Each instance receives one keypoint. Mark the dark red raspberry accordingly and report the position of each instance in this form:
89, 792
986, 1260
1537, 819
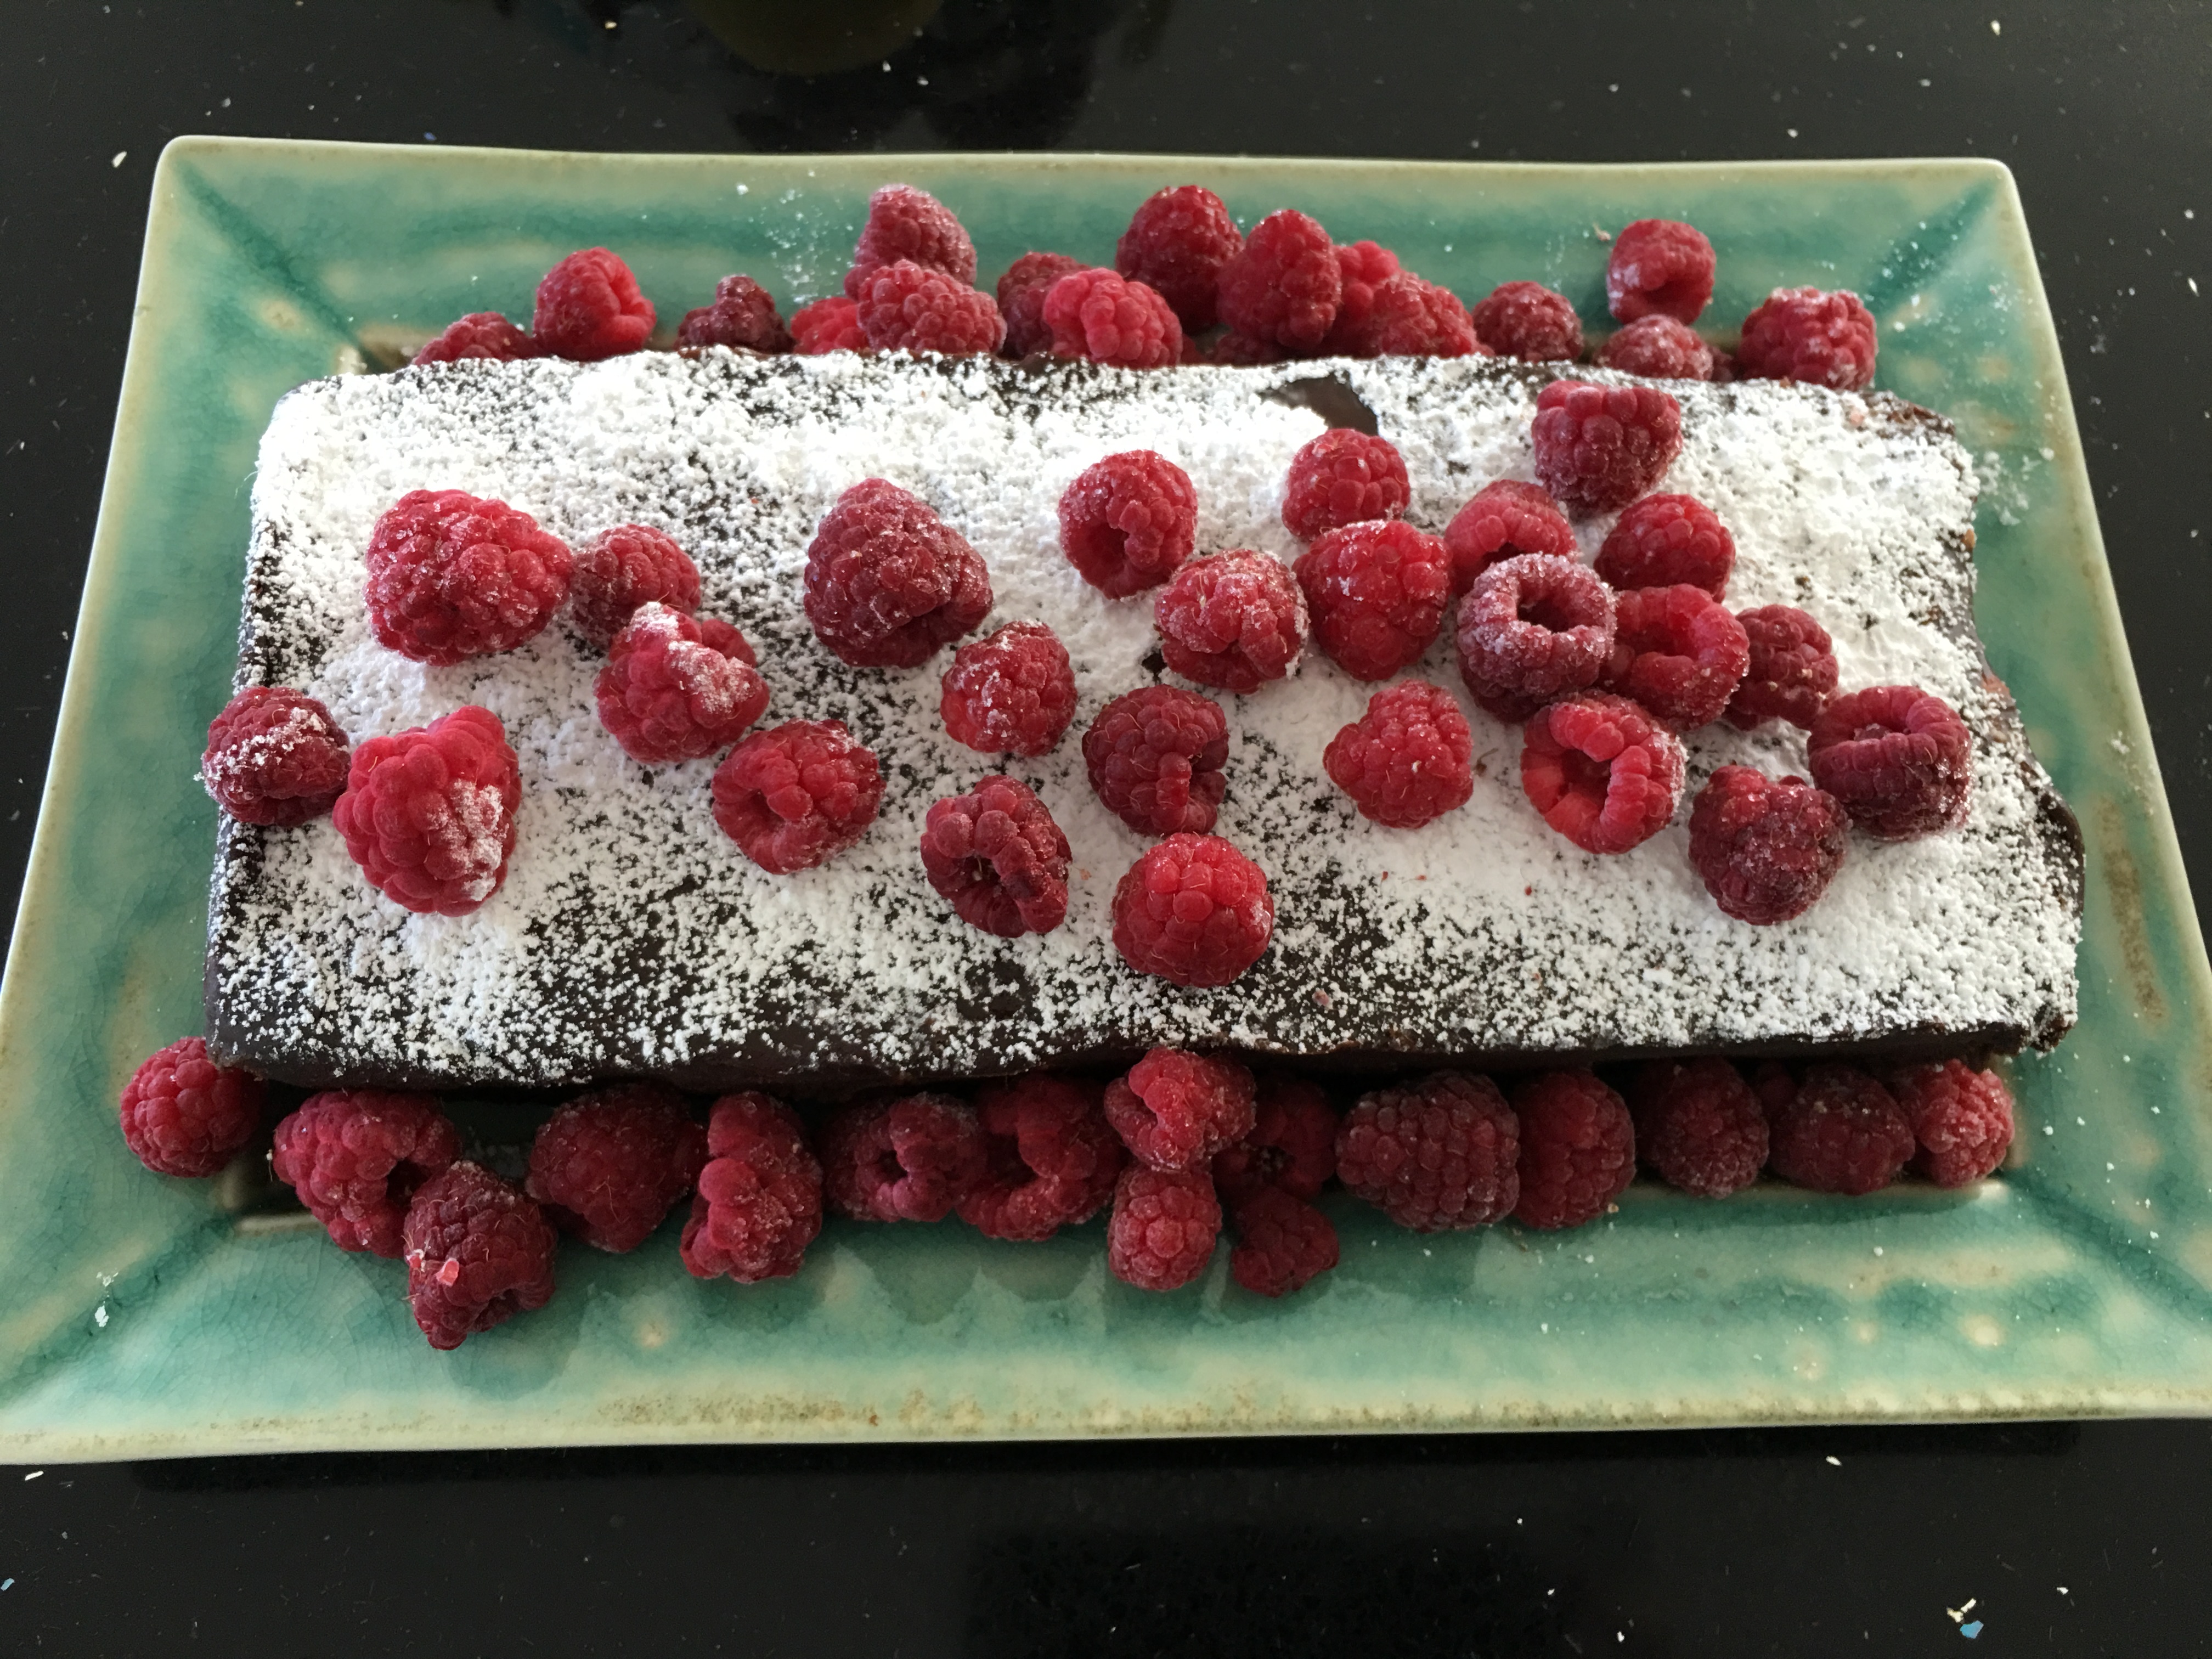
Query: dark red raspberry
1532, 627
1021, 299
477, 1251
1165, 1224
1376, 594
1407, 760
1792, 672
1659, 268
908, 1159
429, 814
274, 755
912, 225
609, 1165
1503, 520
481, 334
1010, 693
1129, 521
1408, 317
1599, 447
356, 1157
589, 308
1291, 1144
1175, 1110
1435, 1154
183, 1114
1577, 1148
1341, 477
997, 856
1243, 351
620, 569
1103, 317
1528, 321
1284, 285
668, 695
1803, 334
1177, 241
887, 581
797, 794
451, 577
831, 325
1282, 1242
904, 307
1776, 1085
1659, 348
1193, 910
1662, 540
1962, 1120
1363, 267
1053, 1162
1841, 1132
1156, 754
1698, 1125
1678, 652
1235, 620
1899, 759
759, 1202
1602, 771
1765, 850
742, 317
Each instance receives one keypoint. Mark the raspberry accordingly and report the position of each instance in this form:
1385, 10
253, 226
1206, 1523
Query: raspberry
274, 755
1156, 754
1175, 1110
1021, 299
1284, 285
1678, 652
1193, 910
887, 581
742, 317
797, 794
1802, 334
1841, 1132
429, 814
589, 308
1243, 351
1792, 672
1899, 758
1659, 268
904, 307
1010, 693
355, 1157
1602, 771
183, 1114
831, 325
1341, 477
1408, 317
1661, 540
1765, 850
910, 225
484, 334
1235, 620
1291, 1144
1128, 522
609, 1165
620, 569
1578, 1149
759, 1202
1698, 1125
1434, 1154
1532, 627
451, 577
1503, 520
1177, 241
1376, 592
908, 1159
1601, 446
1282, 1243
1528, 321
1962, 1120
1162, 1231
1362, 267
997, 856
1659, 348
1101, 316
667, 696
1406, 760
477, 1251
1052, 1158
1776, 1086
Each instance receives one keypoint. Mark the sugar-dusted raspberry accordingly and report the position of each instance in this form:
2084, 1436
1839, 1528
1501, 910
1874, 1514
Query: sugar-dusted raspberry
1291, 1144
1052, 1158
1529, 321
429, 814
1129, 521
183, 1114
912, 225
887, 581
1599, 447
1659, 348
1284, 284
797, 794
1235, 620
1659, 268
1767, 849
609, 1165
1363, 268
1407, 760
1532, 628
742, 316
1698, 1125
1677, 651
589, 308
1103, 317
620, 569
1962, 1120
451, 576
355, 1157
1193, 910
1792, 670
1021, 293
1408, 317
1175, 1110
1841, 1132
1156, 754
1602, 771
1243, 351
481, 334
904, 307
1177, 241
1501, 520
759, 1199
1163, 1230
667, 695
1899, 759
1341, 477
274, 755
1435, 1153
907, 1159
478, 1252
831, 324
1282, 1242
1661, 540
1804, 334
1010, 693
1577, 1148
996, 853
1376, 592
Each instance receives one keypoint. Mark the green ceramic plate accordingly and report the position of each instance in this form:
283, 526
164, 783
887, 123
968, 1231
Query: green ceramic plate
143, 1316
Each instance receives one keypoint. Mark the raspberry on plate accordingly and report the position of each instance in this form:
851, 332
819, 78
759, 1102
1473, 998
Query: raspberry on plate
1052, 1158
1659, 268
1376, 592
589, 308
1961, 1119
451, 577
1021, 293
1010, 693
888, 582
1659, 348
1177, 241
904, 307
1532, 627
356, 1157
912, 225
1283, 1243
1435, 1154
1163, 1230
1699, 1126
831, 324
1175, 1109
1766, 850
609, 1166
1291, 1144
797, 794
742, 317
183, 1114
667, 695
1804, 334
1284, 285
620, 569
1128, 522
1235, 620
478, 1252
1899, 759
1841, 1132
1602, 771
1363, 267
1193, 910
1243, 351
1156, 754
1528, 321
481, 334
1792, 670
1408, 317
997, 856
1341, 477
759, 1199
1663, 540
1577, 1148
1677, 651
1501, 520
1599, 447
1408, 760
429, 814
908, 1159
1103, 317
275, 756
